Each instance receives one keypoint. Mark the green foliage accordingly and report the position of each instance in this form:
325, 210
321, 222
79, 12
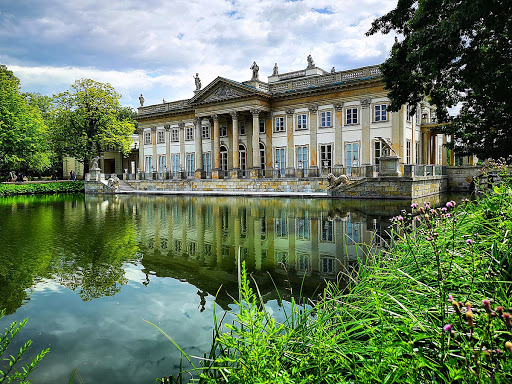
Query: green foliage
90, 119
23, 132
42, 188
400, 319
455, 52
9, 373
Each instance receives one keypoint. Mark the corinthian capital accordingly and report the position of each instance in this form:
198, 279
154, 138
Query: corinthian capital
255, 112
215, 117
234, 115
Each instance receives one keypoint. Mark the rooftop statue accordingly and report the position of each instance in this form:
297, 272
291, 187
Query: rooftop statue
198, 82
311, 63
275, 72
333, 70
255, 71
141, 100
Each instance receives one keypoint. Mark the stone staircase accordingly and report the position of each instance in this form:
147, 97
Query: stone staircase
125, 187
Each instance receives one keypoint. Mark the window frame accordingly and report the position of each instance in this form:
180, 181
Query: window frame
281, 126
223, 130
160, 137
147, 138
380, 113
354, 116
175, 135
205, 132
189, 133
302, 121
325, 119
241, 129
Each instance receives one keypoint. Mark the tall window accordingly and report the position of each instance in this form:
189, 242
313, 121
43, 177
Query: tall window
262, 156
280, 160
302, 158
281, 225
191, 164
327, 231
325, 119
241, 128
408, 151
189, 133
160, 137
418, 159
223, 130
418, 114
352, 155
302, 121
175, 163
326, 156
207, 162
302, 228
351, 116
205, 131
147, 137
353, 230
408, 112
380, 112
161, 163
262, 126
279, 127
149, 164
175, 135
242, 156
377, 151
223, 158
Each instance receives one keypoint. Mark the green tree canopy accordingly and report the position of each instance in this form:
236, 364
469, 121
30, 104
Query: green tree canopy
89, 120
23, 132
455, 52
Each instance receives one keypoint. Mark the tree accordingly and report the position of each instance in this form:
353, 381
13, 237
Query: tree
456, 53
23, 133
89, 120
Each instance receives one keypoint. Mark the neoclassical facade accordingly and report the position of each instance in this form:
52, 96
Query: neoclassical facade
301, 123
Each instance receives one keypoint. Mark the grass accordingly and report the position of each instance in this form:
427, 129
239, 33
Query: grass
435, 308
41, 188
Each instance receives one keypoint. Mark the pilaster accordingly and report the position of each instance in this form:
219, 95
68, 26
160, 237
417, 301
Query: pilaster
183, 161
365, 138
155, 157
290, 142
338, 134
167, 128
140, 166
199, 149
313, 140
255, 138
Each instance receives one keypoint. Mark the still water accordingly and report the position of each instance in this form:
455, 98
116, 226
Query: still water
87, 271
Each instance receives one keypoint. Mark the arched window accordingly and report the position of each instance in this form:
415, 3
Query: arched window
223, 158
262, 156
242, 156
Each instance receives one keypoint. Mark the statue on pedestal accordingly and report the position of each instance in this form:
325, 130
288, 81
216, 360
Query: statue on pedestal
141, 100
275, 72
311, 63
198, 82
255, 71
94, 162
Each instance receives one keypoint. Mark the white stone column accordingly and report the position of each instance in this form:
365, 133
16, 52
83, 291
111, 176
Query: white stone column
183, 161
168, 147
199, 148
290, 143
338, 134
365, 137
153, 142
216, 147
313, 129
140, 165
256, 138
236, 157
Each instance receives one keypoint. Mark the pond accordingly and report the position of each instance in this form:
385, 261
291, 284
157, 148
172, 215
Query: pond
87, 271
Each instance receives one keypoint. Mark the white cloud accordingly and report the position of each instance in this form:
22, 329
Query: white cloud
155, 47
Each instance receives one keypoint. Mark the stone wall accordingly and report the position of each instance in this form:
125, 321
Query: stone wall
93, 186
233, 185
460, 178
400, 188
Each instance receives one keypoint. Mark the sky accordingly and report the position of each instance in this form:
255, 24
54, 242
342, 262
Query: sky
155, 47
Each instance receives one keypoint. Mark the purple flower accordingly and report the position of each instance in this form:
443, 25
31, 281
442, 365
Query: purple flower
444, 209
400, 218
449, 204
448, 215
469, 241
448, 328
450, 298
414, 205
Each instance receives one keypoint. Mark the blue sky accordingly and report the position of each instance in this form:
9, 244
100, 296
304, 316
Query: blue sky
155, 47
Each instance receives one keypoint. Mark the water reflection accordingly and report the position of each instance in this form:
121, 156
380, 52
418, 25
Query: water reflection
87, 270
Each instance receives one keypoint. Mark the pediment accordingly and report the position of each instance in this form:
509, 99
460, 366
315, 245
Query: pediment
220, 90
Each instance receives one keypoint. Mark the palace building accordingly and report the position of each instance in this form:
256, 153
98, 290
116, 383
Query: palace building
302, 123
